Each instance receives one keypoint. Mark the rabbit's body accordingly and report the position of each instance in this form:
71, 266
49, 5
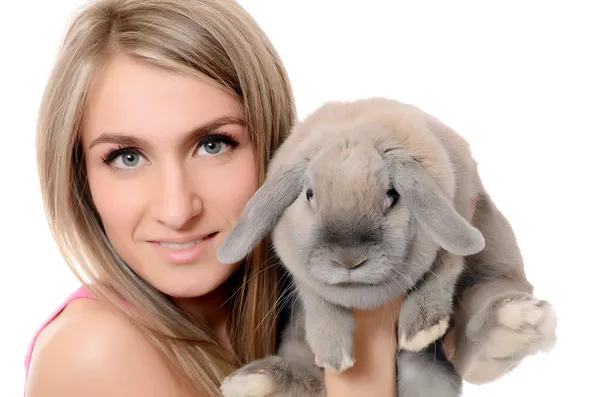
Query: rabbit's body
369, 200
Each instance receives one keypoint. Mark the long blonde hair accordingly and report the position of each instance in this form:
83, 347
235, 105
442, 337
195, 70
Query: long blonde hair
213, 39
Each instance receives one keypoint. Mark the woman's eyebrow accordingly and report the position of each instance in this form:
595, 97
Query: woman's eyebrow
193, 135
211, 126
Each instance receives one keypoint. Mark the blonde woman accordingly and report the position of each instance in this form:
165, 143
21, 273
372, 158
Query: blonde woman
156, 127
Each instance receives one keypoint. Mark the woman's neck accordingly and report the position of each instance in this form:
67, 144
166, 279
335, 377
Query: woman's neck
210, 310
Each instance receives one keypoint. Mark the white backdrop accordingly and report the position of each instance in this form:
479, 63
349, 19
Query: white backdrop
518, 79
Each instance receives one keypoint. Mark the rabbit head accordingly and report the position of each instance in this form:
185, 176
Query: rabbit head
350, 211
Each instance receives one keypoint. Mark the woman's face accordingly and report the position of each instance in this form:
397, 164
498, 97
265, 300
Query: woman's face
170, 168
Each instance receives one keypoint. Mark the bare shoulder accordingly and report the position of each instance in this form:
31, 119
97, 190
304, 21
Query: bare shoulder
92, 351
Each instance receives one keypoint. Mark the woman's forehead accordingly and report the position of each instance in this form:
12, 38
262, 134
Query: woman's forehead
135, 98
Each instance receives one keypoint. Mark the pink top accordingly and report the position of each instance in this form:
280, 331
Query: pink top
81, 292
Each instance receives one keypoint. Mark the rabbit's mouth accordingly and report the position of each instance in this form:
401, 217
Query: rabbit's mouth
353, 283
368, 274
358, 294
350, 283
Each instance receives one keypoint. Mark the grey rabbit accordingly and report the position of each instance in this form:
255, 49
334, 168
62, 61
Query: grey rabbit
368, 200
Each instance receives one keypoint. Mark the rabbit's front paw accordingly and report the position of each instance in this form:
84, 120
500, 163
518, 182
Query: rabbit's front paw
254, 379
515, 327
333, 348
420, 324
330, 335
336, 356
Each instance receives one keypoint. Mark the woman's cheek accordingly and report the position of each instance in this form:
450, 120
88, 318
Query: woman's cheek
233, 185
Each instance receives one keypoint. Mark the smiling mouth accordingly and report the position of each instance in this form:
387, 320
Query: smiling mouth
186, 245
181, 246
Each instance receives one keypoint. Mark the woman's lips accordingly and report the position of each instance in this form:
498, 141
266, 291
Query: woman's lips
184, 252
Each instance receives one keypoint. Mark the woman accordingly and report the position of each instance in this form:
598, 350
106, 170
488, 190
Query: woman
156, 126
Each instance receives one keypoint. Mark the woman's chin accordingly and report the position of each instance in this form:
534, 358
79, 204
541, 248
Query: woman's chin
194, 282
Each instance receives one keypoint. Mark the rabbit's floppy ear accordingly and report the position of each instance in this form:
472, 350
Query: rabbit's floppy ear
262, 211
433, 210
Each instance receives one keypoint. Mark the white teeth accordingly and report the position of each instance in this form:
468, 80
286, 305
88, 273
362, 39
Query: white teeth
180, 246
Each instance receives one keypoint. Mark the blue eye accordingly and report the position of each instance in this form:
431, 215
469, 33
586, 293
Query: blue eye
123, 158
212, 147
130, 159
216, 144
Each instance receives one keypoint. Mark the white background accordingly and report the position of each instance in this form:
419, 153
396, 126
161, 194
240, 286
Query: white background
518, 79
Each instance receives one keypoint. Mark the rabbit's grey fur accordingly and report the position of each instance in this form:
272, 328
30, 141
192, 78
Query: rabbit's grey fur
369, 200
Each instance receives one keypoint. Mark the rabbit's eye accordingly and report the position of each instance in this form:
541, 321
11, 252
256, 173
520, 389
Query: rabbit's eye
393, 195
391, 198
309, 194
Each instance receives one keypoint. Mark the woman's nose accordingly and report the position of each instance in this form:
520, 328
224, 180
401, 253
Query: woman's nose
178, 200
